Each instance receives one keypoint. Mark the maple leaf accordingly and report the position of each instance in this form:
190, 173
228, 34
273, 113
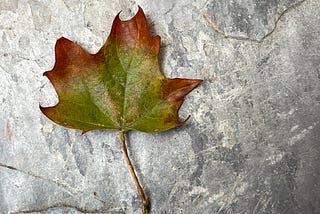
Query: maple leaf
121, 87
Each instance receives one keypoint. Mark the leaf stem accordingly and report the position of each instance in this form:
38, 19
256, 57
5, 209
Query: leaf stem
133, 174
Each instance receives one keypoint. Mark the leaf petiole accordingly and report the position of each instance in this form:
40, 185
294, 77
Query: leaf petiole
133, 174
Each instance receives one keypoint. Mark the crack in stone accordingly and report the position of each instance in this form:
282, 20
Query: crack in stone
294, 6
71, 191
63, 205
59, 204
2, 68
65, 187
6, 166
215, 28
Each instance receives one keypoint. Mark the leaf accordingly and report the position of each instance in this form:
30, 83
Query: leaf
121, 87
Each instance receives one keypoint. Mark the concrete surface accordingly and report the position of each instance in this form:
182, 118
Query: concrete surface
252, 142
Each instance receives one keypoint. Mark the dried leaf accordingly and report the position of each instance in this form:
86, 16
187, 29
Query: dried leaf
121, 87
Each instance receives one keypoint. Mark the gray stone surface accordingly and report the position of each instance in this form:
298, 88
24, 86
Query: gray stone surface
247, 19
250, 146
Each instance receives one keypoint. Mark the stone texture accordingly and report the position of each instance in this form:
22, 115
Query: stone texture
250, 146
247, 19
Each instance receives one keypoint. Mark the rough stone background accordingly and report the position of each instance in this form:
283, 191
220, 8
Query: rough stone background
252, 142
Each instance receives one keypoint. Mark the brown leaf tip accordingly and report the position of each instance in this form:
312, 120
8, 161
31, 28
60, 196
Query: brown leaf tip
176, 89
134, 31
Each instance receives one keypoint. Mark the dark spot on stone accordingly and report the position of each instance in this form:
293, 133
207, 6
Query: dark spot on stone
199, 143
179, 56
179, 52
263, 61
79, 151
318, 73
210, 116
89, 24
195, 177
283, 184
220, 136
233, 156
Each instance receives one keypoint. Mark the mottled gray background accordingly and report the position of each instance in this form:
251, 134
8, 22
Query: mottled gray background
252, 142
